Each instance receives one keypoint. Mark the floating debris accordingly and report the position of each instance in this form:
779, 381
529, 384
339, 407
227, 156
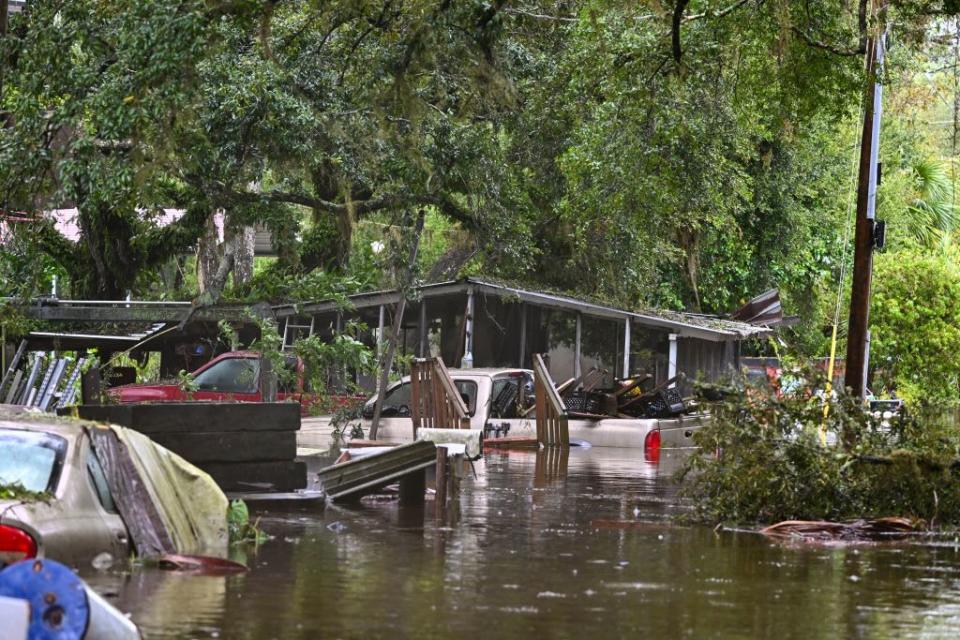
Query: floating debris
864, 529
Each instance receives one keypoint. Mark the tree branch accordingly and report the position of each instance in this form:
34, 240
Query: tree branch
817, 44
718, 14
362, 207
538, 16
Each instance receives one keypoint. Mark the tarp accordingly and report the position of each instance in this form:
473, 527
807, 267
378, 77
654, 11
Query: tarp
167, 504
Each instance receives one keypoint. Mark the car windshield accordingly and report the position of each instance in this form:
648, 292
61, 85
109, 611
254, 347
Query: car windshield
30, 460
397, 401
232, 375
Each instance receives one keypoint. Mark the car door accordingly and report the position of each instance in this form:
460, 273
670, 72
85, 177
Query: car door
97, 481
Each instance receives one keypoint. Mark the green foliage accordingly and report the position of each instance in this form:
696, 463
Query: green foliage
14, 322
273, 285
186, 383
16, 491
915, 319
340, 357
762, 461
241, 529
229, 335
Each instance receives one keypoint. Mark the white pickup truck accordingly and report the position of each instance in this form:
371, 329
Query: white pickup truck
497, 400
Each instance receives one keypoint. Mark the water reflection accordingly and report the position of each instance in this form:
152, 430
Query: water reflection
555, 544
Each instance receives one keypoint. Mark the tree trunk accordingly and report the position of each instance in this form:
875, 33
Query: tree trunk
242, 242
386, 363
689, 240
209, 253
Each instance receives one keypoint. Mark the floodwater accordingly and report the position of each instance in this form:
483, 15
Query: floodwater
546, 545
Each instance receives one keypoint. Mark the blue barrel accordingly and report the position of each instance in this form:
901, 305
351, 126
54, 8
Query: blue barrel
59, 608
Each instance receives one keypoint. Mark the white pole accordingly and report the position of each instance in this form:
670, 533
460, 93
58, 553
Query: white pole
467, 362
523, 334
672, 358
576, 348
626, 348
380, 326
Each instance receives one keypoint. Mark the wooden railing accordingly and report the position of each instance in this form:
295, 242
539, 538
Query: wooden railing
552, 425
435, 402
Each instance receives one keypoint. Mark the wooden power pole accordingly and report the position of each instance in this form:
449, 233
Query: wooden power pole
865, 238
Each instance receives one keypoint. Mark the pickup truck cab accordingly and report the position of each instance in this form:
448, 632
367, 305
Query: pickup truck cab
500, 402
230, 377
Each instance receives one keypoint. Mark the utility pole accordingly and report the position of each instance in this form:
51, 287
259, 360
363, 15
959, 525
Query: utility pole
865, 238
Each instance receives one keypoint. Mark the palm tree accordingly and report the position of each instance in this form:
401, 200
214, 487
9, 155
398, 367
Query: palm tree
931, 209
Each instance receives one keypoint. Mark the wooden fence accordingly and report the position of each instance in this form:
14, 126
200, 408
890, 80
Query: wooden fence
435, 401
552, 422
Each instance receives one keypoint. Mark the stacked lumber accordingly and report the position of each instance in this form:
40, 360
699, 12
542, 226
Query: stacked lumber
243, 446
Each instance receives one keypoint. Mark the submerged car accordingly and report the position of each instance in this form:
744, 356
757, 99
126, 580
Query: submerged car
500, 402
59, 500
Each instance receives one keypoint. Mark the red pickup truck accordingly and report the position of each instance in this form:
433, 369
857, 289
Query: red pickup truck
232, 376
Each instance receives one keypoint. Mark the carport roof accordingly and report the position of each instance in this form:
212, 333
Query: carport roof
687, 325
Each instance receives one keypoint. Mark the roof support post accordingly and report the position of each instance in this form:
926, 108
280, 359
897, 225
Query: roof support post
672, 358
467, 362
523, 335
577, 346
626, 347
422, 347
380, 324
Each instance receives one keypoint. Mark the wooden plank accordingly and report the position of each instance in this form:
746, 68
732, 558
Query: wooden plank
198, 417
230, 446
459, 406
91, 387
552, 425
440, 498
435, 401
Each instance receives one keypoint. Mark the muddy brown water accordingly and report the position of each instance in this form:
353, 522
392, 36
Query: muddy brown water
546, 546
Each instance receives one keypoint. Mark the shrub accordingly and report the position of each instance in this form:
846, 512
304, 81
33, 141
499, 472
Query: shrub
761, 460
